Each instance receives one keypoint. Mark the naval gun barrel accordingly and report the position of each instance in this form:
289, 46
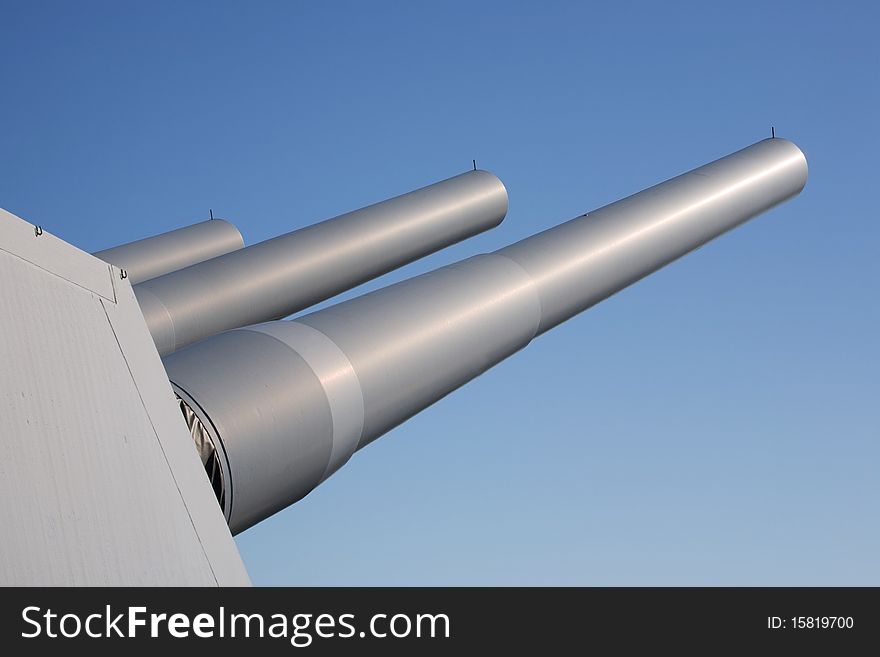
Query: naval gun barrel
286, 274
176, 249
287, 403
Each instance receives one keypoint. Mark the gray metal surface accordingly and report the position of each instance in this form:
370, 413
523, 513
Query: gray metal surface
406, 346
176, 249
99, 481
289, 273
218, 394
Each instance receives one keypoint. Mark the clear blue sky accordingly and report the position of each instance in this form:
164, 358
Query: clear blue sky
716, 423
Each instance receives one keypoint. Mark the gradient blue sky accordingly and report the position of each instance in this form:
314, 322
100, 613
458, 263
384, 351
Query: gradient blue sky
716, 423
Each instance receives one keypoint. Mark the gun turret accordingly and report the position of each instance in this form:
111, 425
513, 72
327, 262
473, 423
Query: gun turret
285, 404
